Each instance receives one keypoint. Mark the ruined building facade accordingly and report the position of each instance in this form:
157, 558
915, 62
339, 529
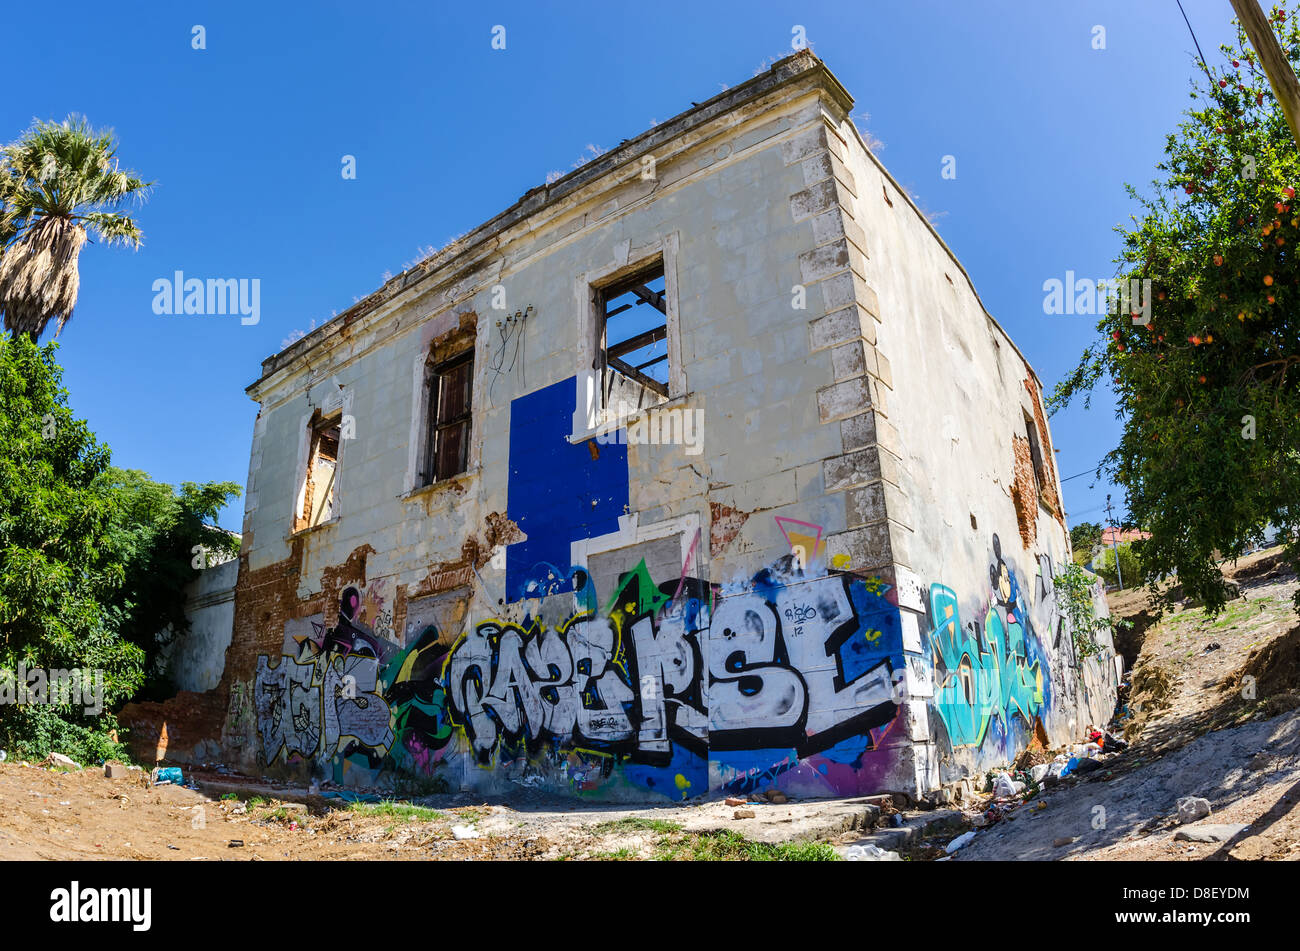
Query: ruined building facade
697, 471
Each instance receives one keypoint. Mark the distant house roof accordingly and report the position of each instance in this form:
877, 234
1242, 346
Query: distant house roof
1110, 535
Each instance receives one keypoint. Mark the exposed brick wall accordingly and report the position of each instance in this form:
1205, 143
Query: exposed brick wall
724, 525
171, 730
185, 728
1048, 476
1024, 491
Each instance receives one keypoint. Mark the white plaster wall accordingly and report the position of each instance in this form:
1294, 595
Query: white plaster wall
959, 397
744, 353
196, 659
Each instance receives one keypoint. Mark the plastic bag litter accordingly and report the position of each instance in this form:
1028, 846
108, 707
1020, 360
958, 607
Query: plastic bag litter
869, 853
1004, 787
960, 841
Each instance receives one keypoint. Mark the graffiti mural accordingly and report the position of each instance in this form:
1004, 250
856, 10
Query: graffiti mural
651, 689
343, 696
791, 663
323, 697
989, 673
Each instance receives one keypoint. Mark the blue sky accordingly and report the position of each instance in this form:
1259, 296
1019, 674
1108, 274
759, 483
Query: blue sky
245, 141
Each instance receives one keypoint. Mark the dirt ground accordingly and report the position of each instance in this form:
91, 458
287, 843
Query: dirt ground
1198, 724
51, 813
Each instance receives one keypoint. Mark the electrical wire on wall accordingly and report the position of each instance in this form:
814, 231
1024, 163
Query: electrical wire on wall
511, 328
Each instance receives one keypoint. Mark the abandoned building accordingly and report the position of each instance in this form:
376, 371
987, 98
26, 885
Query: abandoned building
698, 471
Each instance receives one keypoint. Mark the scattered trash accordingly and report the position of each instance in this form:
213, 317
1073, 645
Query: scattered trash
293, 826
236, 844
3, 756
58, 759
465, 832
1037, 773
1212, 646
1107, 742
1088, 766
174, 848
1004, 787
960, 841
1191, 808
897, 819
166, 775
870, 853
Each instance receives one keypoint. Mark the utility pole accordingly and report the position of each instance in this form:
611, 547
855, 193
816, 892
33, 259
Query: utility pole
1276, 66
1114, 544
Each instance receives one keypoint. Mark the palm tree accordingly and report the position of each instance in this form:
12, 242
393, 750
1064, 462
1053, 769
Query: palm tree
57, 181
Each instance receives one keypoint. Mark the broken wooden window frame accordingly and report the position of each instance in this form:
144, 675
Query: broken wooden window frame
318, 503
611, 355
442, 418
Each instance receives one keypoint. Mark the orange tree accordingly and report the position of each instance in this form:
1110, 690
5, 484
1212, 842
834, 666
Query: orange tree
1209, 390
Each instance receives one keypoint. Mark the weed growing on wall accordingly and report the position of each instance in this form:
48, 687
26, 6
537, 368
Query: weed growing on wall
1074, 592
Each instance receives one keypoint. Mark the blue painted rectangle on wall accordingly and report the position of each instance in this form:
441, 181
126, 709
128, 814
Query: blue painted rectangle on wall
559, 491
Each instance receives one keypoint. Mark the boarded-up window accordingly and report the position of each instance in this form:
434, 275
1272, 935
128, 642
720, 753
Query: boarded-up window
449, 414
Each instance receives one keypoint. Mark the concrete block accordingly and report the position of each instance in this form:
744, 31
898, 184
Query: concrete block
869, 429
878, 396
851, 469
870, 547
823, 261
884, 371
911, 627
1210, 832
841, 290
840, 326
869, 302
846, 398
876, 502
824, 165
818, 198
857, 237
853, 359
829, 226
